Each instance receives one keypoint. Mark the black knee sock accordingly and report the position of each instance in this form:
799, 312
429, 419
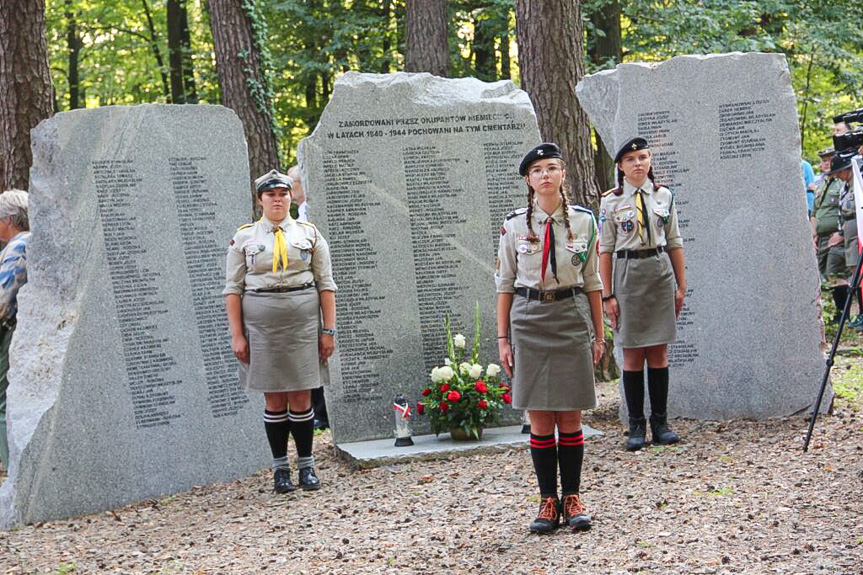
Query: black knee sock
543, 451
277, 427
570, 455
657, 387
633, 389
840, 293
302, 428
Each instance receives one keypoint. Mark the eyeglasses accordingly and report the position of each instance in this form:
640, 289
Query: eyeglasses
551, 171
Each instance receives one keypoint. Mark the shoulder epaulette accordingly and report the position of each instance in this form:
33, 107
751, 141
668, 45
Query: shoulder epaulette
514, 213
244, 226
580, 208
311, 225
615, 191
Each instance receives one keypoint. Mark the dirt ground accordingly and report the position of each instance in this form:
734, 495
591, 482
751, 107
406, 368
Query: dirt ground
733, 497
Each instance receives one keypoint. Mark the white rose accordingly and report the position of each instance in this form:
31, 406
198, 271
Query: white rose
492, 370
475, 371
464, 368
435, 374
459, 341
446, 373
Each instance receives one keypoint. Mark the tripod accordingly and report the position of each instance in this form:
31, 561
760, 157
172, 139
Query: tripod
855, 286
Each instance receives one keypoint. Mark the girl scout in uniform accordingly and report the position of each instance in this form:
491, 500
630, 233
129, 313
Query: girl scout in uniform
279, 282
548, 316
639, 228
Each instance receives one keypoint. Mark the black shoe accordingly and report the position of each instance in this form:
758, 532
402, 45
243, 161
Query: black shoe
548, 518
282, 481
308, 480
661, 434
574, 513
637, 433
321, 424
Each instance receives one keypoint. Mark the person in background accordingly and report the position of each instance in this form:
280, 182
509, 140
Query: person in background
298, 201
808, 184
279, 283
15, 232
644, 283
840, 168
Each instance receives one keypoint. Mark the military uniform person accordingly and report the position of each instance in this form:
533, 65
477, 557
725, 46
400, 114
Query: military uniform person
639, 229
840, 170
831, 260
278, 282
549, 307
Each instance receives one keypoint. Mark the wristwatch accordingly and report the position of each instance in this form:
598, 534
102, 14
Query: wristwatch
329, 331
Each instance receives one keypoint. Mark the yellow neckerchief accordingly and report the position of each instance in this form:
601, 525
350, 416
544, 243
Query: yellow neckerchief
280, 249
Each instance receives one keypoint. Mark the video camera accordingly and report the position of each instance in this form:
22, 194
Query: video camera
852, 139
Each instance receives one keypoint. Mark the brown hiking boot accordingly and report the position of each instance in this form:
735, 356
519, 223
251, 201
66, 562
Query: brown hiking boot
549, 516
574, 513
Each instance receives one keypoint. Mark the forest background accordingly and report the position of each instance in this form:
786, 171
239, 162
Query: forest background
124, 52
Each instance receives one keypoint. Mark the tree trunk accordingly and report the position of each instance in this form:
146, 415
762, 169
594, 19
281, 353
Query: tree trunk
244, 83
73, 44
154, 46
483, 49
26, 92
186, 46
550, 58
175, 52
606, 51
427, 31
505, 68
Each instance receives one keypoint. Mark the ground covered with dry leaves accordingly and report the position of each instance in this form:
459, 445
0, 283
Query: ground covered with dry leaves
733, 497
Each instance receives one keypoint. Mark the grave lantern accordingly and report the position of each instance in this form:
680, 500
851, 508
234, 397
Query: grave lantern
402, 413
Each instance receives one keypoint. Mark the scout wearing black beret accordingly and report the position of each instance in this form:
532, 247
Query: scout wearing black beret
841, 161
826, 152
632, 145
541, 152
273, 179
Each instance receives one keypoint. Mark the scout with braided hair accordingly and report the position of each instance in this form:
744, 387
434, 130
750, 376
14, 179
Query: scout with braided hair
640, 261
549, 320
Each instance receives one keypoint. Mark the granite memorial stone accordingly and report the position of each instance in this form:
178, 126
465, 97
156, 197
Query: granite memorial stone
123, 383
410, 177
724, 135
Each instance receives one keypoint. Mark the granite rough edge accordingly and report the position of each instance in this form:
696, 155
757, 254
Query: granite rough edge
422, 89
600, 95
47, 316
495, 440
50, 307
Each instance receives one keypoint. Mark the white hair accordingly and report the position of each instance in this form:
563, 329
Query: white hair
13, 204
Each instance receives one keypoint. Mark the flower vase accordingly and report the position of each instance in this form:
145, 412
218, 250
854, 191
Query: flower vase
459, 434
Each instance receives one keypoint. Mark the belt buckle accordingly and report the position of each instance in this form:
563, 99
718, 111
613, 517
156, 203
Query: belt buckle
546, 296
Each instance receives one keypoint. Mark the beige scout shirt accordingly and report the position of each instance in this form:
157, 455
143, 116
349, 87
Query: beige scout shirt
519, 262
250, 258
618, 223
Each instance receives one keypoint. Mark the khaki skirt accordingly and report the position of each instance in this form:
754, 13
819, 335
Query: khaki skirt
553, 354
282, 331
645, 295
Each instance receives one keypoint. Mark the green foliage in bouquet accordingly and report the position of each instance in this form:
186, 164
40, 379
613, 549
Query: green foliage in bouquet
462, 394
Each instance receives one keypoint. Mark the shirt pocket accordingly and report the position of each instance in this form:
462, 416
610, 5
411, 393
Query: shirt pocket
302, 249
578, 249
624, 220
528, 248
253, 251
662, 213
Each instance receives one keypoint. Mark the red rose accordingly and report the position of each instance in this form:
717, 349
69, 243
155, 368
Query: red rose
444, 388
481, 404
453, 396
481, 386
507, 398
421, 408
426, 392
444, 406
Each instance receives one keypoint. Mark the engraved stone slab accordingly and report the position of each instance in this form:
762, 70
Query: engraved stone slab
723, 130
410, 177
123, 384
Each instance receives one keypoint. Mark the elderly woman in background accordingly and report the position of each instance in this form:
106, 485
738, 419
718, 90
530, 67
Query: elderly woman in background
15, 233
279, 284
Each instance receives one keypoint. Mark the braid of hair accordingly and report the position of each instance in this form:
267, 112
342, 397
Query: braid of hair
566, 214
620, 178
529, 213
652, 178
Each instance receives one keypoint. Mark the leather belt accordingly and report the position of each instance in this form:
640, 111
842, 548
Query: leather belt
283, 289
547, 296
639, 254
